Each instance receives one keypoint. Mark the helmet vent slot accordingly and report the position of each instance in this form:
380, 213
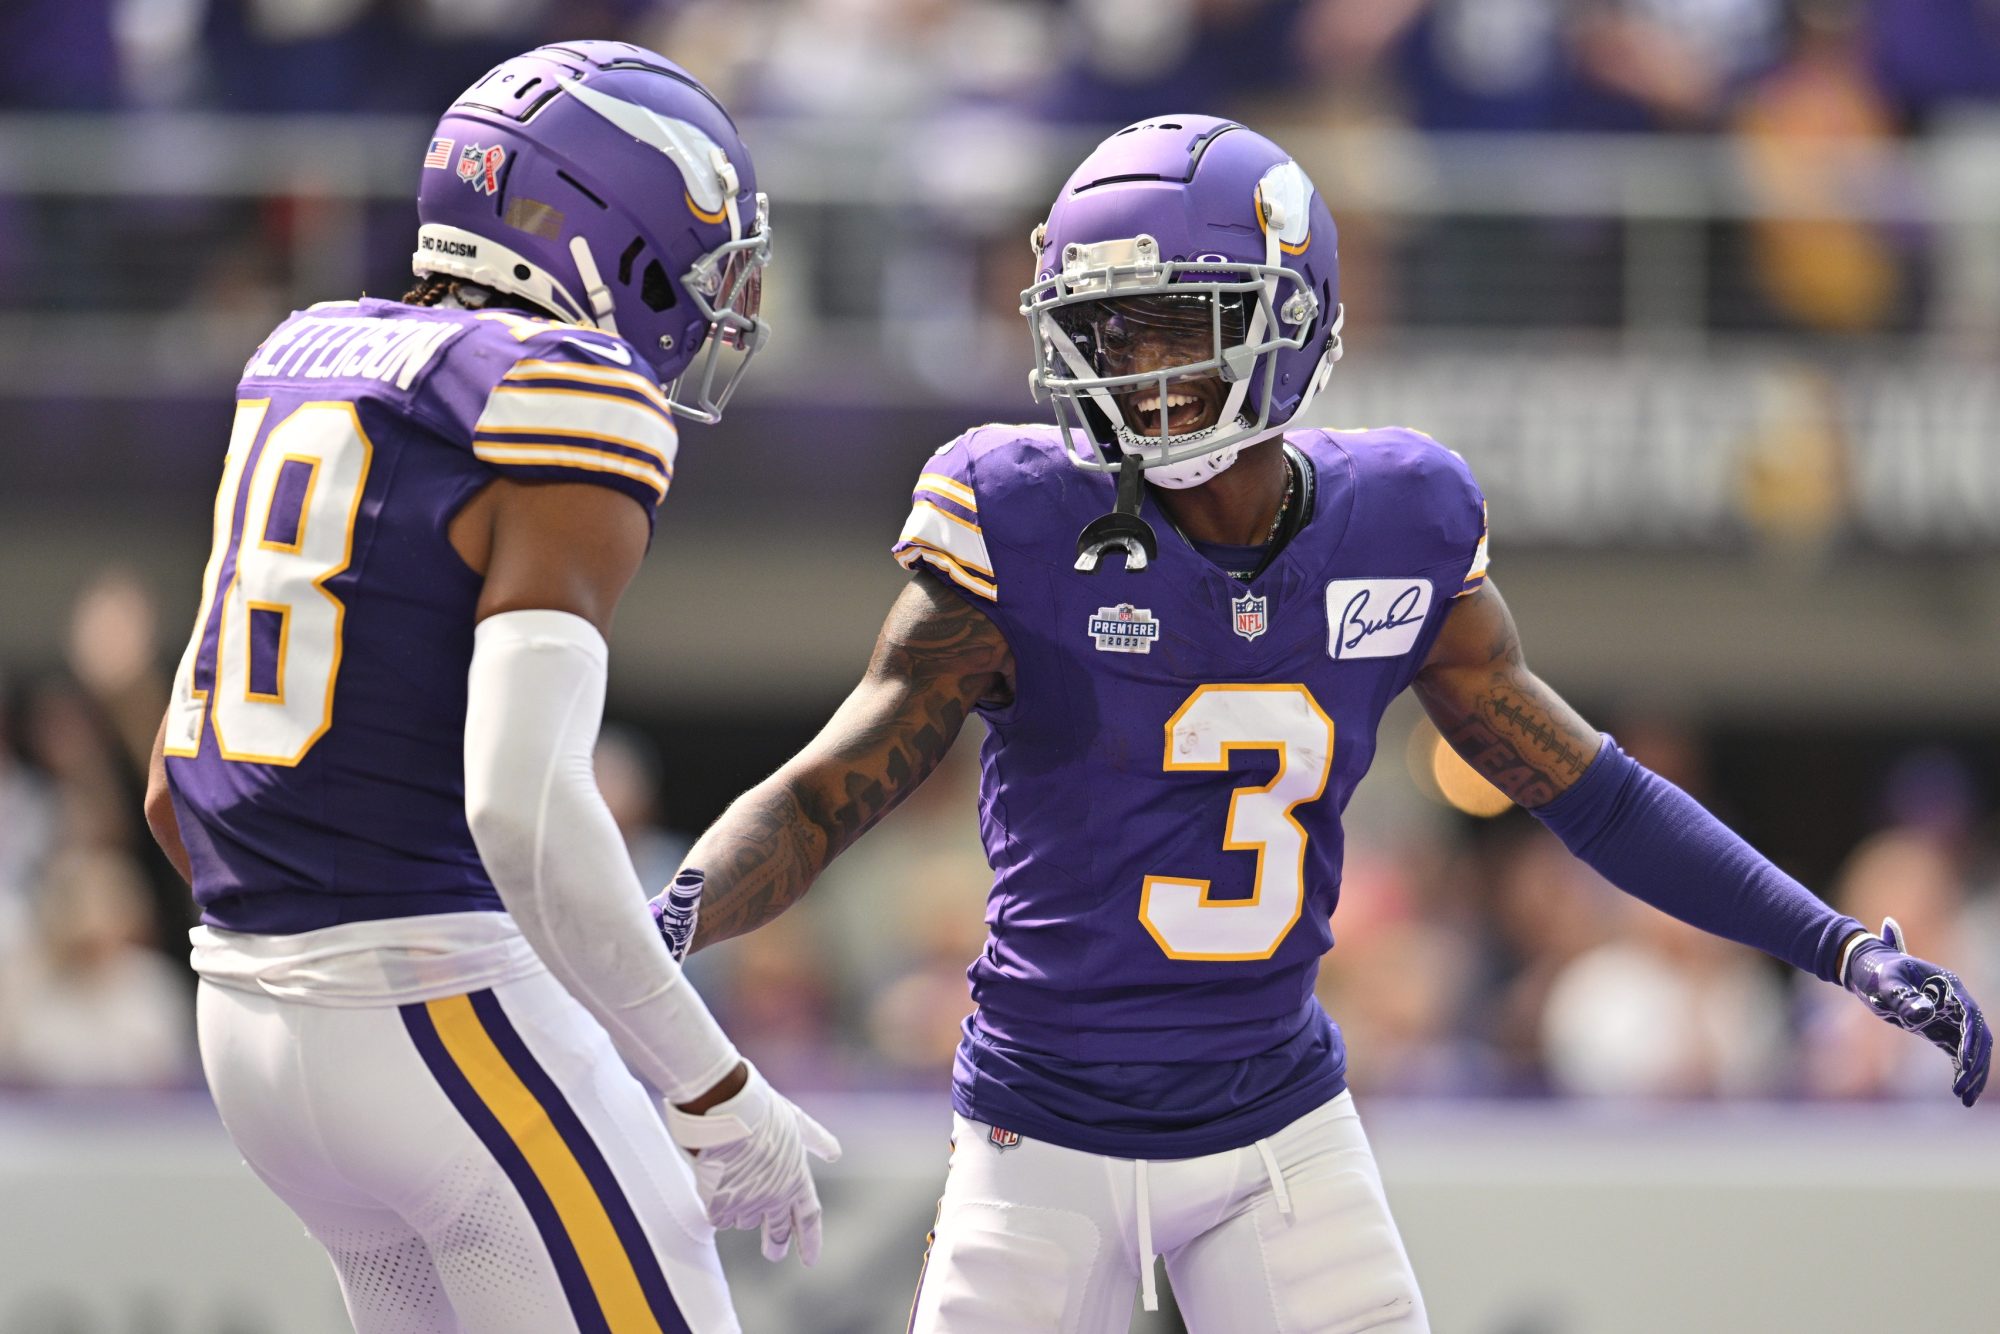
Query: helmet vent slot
1118, 180
1201, 146
626, 260
580, 188
528, 111
654, 289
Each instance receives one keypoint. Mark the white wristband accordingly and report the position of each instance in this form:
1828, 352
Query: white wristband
1847, 951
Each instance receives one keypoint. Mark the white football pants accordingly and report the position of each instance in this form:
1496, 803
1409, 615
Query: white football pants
1290, 1235
480, 1162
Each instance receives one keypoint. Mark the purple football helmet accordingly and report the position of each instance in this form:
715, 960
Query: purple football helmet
606, 185
1172, 216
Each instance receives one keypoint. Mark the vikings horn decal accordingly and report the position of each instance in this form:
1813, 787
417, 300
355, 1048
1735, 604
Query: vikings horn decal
711, 180
1285, 200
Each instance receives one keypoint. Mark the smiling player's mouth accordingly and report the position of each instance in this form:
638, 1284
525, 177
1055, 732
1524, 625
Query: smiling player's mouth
1188, 408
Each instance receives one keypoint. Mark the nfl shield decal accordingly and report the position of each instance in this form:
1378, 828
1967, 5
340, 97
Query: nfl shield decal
1248, 614
480, 167
1002, 1140
1124, 629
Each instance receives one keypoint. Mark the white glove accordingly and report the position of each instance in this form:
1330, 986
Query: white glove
750, 1164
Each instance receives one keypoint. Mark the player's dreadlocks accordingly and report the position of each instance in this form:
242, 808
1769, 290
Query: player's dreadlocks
440, 289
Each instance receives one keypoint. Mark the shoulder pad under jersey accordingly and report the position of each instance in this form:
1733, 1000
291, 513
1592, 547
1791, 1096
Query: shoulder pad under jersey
561, 402
1409, 477
988, 466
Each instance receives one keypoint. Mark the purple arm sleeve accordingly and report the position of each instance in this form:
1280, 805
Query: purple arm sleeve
1659, 845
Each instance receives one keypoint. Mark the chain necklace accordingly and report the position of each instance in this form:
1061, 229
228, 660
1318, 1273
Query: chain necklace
1284, 504
1277, 521
1271, 535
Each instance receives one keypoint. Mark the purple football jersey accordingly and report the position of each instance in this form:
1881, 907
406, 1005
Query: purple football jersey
315, 736
1161, 801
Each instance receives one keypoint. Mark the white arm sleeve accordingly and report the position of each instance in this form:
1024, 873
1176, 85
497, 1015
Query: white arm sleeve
534, 704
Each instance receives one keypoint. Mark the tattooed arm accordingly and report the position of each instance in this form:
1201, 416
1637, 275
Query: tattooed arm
937, 657
1501, 717
1631, 826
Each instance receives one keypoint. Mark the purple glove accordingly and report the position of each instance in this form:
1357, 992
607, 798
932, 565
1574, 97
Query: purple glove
1927, 999
675, 911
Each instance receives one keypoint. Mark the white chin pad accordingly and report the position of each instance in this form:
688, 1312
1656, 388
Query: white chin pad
1191, 472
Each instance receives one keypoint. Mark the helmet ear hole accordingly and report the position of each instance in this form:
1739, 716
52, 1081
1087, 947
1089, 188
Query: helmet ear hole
655, 290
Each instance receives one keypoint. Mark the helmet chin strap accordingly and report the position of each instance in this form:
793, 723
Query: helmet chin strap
594, 289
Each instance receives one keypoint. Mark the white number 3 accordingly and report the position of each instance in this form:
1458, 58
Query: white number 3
1216, 721
280, 534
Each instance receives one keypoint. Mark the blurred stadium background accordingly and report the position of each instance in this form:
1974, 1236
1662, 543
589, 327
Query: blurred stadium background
1707, 291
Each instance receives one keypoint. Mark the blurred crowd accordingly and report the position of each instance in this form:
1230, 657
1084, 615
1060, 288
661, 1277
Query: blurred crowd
94, 987
1800, 87
1440, 64
1474, 957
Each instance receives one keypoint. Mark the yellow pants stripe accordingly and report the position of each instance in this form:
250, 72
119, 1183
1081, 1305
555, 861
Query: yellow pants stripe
604, 1259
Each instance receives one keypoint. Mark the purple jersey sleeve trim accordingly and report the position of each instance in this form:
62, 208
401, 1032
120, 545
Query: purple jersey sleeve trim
1659, 845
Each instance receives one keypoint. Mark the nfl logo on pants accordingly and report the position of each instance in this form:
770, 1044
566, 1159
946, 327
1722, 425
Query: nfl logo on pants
1002, 1139
1249, 615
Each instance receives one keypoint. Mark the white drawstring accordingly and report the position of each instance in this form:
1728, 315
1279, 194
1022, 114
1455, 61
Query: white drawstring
1283, 1196
1149, 1296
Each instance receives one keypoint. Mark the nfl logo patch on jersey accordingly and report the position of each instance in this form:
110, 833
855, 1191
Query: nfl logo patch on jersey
1248, 612
1124, 629
1003, 1140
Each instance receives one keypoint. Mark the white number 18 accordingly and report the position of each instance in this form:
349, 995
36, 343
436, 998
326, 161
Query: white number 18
277, 645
